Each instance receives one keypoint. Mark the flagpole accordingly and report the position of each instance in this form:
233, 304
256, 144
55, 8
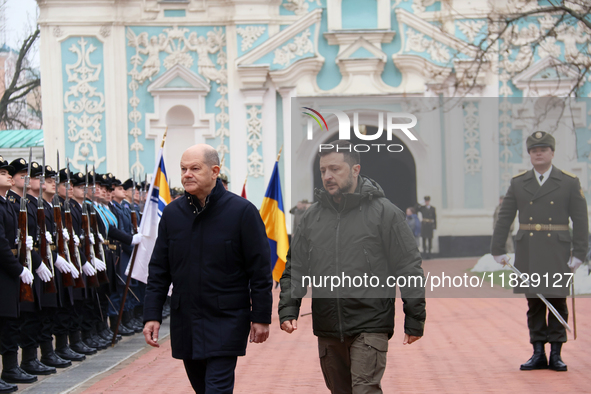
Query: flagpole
131, 264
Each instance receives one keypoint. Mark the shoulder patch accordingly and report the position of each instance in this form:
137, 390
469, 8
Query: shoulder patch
11, 199
520, 174
569, 174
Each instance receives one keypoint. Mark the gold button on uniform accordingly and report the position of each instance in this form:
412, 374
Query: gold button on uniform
550, 219
549, 235
531, 234
531, 203
551, 202
531, 219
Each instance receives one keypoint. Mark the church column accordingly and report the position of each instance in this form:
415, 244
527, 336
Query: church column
255, 158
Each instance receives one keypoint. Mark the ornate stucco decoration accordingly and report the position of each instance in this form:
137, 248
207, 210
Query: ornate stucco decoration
249, 35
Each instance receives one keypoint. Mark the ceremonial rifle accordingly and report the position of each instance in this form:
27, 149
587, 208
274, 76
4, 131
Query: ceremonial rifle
44, 250
98, 247
24, 254
92, 281
67, 278
72, 248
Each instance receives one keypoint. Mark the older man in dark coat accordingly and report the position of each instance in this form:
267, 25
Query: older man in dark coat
212, 246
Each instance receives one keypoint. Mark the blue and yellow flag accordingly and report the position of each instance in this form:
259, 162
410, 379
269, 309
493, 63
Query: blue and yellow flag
161, 190
273, 216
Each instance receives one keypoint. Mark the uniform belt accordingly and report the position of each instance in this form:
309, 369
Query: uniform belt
428, 221
544, 227
51, 247
113, 247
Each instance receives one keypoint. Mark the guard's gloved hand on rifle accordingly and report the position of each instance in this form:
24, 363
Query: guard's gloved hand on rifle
44, 273
26, 276
137, 238
88, 269
502, 259
29, 242
65, 234
101, 238
574, 263
48, 237
99, 264
91, 237
76, 240
62, 265
75, 273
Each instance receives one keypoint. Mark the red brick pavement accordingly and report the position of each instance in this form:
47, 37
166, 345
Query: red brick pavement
470, 345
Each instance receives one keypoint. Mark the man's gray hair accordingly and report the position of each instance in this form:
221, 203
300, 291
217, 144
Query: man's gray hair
211, 157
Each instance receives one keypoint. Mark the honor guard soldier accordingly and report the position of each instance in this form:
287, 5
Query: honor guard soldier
428, 225
546, 198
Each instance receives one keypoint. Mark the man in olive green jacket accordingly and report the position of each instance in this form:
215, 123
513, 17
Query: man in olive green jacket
352, 231
546, 198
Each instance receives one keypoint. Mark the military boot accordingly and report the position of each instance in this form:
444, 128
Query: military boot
31, 364
12, 373
89, 339
77, 345
122, 329
63, 350
7, 387
128, 323
556, 363
48, 356
538, 360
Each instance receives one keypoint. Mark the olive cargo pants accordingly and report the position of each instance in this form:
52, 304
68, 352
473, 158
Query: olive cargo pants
355, 366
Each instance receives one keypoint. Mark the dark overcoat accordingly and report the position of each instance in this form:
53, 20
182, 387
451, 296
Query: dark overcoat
218, 260
10, 268
544, 252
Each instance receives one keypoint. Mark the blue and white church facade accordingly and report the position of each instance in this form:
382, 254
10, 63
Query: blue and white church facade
116, 74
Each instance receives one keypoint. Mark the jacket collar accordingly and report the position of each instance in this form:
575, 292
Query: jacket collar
216, 194
367, 188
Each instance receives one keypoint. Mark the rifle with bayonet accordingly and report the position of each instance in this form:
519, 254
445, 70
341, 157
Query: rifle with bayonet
92, 281
98, 247
67, 278
133, 212
72, 248
24, 254
44, 250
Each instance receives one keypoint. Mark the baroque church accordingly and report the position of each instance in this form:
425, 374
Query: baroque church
118, 74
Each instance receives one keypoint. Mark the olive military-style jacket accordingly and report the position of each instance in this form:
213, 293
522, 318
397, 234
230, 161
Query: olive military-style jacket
544, 250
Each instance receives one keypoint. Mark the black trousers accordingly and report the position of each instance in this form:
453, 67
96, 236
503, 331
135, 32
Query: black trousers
214, 375
541, 330
9, 333
429, 241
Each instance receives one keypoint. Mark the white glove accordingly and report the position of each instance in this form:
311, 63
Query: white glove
501, 259
99, 264
74, 271
26, 276
91, 237
65, 234
44, 273
48, 237
574, 263
61, 264
101, 238
29, 242
137, 238
88, 269
76, 240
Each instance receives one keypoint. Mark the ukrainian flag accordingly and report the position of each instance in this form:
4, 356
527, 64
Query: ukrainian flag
273, 216
161, 190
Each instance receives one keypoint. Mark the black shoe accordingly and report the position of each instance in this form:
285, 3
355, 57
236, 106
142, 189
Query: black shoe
53, 360
556, 363
7, 387
48, 357
78, 346
103, 343
67, 353
31, 364
538, 360
17, 375
137, 325
124, 331
90, 341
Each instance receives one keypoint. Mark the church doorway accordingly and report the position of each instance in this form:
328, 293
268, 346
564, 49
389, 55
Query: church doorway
394, 172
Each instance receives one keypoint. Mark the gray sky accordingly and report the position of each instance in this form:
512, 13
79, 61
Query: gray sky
21, 17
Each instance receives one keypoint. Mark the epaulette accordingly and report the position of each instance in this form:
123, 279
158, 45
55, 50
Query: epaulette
520, 174
569, 174
11, 199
